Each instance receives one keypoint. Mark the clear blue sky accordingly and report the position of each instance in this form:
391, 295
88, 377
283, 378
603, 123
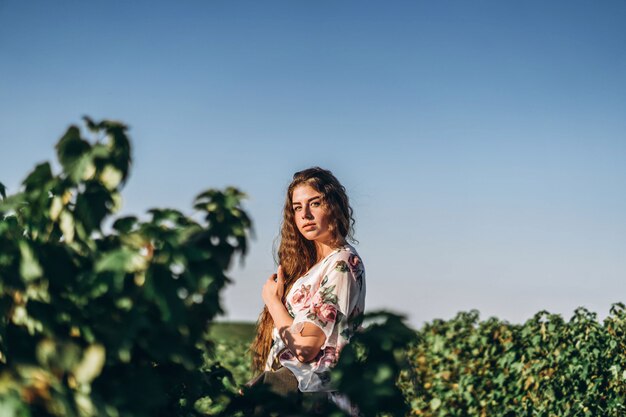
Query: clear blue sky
483, 143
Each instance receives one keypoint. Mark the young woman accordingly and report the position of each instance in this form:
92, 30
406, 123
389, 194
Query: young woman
317, 292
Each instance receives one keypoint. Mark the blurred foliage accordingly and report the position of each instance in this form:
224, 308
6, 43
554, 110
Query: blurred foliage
115, 323
370, 365
367, 372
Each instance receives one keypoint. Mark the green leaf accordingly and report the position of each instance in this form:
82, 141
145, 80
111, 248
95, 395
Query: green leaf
110, 177
384, 373
72, 152
55, 208
119, 145
38, 177
82, 169
45, 352
29, 265
164, 215
92, 205
125, 224
67, 226
435, 403
121, 260
91, 365
91, 125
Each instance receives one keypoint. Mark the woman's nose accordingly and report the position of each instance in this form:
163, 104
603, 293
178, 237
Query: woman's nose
306, 213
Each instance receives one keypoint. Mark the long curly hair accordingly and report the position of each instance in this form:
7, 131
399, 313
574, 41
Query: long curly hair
296, 254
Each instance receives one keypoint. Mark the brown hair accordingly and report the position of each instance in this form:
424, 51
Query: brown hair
296, 254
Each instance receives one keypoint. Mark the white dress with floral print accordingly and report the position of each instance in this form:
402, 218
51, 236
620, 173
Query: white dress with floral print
329, 295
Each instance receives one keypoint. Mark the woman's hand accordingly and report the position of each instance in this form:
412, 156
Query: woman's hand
274, 288
305, 344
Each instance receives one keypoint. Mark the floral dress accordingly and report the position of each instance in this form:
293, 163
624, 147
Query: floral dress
330, 295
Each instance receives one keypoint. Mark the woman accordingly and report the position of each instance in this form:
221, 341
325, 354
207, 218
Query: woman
317, 292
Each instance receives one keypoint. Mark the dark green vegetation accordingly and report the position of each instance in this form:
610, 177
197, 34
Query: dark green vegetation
109, 324
232, 331
467, 367
121, 322
544, 367
232, 343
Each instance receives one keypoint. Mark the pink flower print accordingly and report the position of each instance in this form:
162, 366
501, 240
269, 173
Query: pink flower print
317, 301
286, 355
323, 306
354, 261
301, 298
327, 313
356, 268
328, 357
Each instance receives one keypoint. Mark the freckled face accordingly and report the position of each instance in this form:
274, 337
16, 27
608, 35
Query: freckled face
311, 216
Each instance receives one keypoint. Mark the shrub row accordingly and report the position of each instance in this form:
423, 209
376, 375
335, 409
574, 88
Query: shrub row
545, 367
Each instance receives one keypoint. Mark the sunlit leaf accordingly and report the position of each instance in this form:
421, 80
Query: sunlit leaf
83, 169
121, 260
91, 364
29, 265
67, 226
55, 208
72, 152
111, 177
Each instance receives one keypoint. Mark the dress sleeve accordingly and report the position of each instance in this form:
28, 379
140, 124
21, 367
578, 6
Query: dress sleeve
332, 302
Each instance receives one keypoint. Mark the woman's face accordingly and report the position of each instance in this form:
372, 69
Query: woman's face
311, 216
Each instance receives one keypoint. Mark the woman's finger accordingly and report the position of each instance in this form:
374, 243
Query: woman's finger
280, 276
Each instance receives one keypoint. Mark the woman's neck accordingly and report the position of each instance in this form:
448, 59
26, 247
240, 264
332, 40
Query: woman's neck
324, 249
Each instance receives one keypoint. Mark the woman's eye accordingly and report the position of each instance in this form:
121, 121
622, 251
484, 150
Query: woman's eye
298, 208
315, 204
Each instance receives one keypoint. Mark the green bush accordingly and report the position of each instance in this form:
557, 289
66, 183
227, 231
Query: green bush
109, 323
545, 367
370, 365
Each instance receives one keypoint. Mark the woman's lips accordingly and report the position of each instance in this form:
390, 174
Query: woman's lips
308, 225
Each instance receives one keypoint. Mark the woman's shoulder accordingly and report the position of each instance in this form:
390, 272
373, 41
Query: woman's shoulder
344, 258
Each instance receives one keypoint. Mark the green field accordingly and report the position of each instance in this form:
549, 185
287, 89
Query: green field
232, 343
232, 331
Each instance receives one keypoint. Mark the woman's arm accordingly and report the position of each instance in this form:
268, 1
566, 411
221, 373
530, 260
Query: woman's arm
304, 345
